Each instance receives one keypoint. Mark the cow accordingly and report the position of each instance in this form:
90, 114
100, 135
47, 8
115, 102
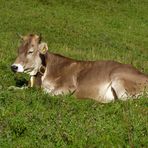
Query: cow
103, 81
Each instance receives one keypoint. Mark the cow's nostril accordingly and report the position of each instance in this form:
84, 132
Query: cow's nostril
14, 68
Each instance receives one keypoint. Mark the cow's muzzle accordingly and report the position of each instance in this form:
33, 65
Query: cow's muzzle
17, 68
14, 68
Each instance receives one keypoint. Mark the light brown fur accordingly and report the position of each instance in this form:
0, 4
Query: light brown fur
103, 81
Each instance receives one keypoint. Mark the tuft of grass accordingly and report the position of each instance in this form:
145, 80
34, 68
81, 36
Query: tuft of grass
81, 29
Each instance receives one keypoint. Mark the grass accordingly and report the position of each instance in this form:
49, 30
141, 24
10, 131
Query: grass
87, 30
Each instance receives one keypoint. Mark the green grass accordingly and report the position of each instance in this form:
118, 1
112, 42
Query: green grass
81, 29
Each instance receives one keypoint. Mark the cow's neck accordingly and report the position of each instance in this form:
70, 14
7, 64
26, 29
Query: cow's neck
55, 64
53, 59
50, 60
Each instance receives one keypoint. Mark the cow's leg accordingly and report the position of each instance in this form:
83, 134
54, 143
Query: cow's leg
17, 88
119, 90
35, 81
32, 81
106, 94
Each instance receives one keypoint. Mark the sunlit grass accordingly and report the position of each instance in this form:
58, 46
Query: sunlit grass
84, 30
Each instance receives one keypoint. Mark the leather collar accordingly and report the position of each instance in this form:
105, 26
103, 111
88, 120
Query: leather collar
43, 66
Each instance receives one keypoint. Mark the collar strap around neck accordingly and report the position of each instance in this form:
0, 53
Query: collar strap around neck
43, 66
42, 70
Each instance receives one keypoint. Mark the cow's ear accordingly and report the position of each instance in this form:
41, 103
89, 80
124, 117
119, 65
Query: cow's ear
43, 48
21, 37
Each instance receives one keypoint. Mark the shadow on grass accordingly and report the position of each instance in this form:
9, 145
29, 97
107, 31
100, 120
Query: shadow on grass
19, 82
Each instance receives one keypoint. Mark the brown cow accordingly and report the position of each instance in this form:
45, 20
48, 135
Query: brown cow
103, 81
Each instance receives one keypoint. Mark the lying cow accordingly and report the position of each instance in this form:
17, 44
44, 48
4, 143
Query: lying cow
103, 81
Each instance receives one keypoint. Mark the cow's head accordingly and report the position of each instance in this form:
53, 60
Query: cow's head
29, 55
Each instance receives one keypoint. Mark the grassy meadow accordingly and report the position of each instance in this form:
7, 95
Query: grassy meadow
80, 29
